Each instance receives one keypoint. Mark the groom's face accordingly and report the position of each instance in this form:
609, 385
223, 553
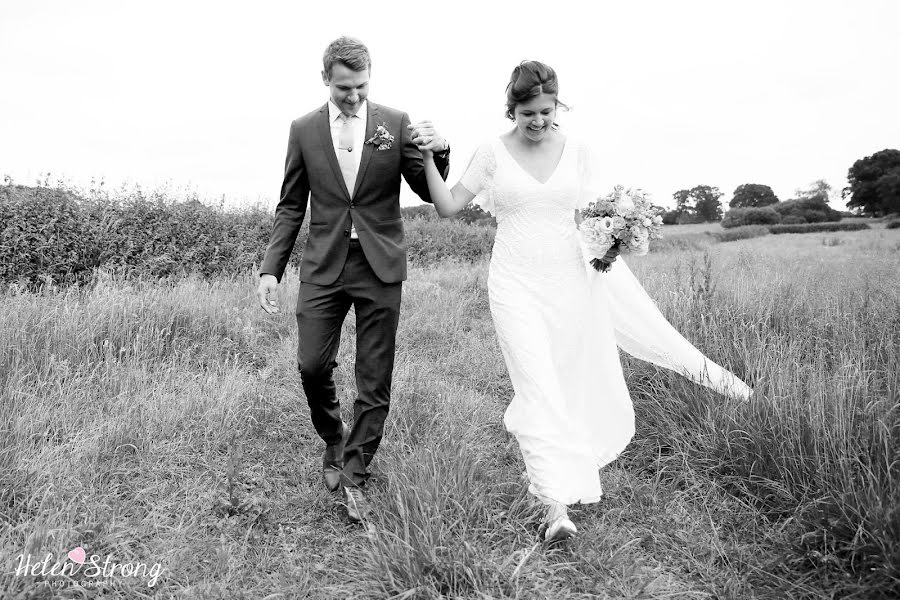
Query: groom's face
348, 87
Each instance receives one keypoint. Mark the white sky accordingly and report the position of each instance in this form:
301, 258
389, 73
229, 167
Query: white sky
673, 94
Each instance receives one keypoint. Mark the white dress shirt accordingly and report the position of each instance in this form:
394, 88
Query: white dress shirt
358, 123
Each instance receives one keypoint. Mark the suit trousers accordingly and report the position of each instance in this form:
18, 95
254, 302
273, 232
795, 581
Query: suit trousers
321, 310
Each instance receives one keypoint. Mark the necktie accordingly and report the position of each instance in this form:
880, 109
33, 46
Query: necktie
346, 159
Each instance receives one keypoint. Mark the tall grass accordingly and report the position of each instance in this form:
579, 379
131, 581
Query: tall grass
164, 421
818, 446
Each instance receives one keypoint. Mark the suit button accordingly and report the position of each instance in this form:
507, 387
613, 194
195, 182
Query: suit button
346, 232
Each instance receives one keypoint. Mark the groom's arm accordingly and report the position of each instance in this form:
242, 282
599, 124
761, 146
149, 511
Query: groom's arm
290, 210
412, 166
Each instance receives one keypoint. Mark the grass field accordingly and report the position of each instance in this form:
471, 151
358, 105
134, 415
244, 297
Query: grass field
163, 423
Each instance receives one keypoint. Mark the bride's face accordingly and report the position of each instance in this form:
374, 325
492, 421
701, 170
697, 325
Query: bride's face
535, 117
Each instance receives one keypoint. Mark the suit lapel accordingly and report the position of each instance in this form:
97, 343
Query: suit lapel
372, 122
324, 127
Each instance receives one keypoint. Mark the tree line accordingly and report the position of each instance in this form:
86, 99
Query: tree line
873, 190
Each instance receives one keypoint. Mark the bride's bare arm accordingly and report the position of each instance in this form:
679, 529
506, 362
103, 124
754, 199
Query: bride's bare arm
447, 202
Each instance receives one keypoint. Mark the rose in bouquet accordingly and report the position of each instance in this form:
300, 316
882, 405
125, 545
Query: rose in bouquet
625, 220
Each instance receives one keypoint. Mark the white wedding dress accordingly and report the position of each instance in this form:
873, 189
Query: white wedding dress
559, 323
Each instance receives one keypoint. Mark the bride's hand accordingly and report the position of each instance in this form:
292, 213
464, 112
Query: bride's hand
427, 139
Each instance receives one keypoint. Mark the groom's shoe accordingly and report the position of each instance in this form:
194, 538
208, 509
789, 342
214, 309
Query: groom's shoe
357, 505
333, 461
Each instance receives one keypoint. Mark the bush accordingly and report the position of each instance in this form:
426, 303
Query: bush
740, 217
793, 220
56, 235
45, 231
473, 214
421, 211
741, 233
431, 241
670, 217
690, 218
817, 227
807, 210
893, 224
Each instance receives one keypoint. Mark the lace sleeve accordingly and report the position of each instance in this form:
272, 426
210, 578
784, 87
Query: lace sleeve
588, 188
479, 177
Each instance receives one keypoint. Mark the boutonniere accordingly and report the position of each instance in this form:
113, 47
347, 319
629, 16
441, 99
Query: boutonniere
382, 139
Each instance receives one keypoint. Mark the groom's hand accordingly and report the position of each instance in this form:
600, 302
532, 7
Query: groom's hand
426, 137
267, 285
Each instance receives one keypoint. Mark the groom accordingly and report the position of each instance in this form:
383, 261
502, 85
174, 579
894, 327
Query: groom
346, 159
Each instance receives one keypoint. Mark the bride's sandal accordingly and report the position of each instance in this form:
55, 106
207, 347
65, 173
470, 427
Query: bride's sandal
560, 530
558, 527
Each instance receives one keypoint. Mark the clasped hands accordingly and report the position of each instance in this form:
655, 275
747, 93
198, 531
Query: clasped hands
426, 137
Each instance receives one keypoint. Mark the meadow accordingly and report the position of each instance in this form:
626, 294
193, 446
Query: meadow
162, 421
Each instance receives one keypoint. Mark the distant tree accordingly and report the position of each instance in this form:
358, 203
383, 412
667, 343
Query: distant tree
875, 184
710, 209
698, 204
888, 187
752, 195
817, 190
683, 201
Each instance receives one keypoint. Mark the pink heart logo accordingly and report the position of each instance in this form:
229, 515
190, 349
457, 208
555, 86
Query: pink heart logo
77, 555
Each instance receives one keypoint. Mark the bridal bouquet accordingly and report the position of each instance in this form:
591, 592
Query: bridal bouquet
624, 219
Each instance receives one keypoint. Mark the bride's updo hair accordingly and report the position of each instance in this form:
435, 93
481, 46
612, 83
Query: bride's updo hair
529, 80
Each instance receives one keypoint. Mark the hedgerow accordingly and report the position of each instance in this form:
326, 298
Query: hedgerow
817, 227
62, 236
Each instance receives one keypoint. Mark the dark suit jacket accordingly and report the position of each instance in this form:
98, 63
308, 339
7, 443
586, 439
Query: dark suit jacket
312, 173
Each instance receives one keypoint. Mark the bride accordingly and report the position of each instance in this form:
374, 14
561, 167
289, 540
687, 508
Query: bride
558, 321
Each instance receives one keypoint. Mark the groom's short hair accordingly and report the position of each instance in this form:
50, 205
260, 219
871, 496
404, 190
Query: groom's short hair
348, 51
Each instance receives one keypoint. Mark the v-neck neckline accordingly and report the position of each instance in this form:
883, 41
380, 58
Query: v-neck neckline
532, 177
